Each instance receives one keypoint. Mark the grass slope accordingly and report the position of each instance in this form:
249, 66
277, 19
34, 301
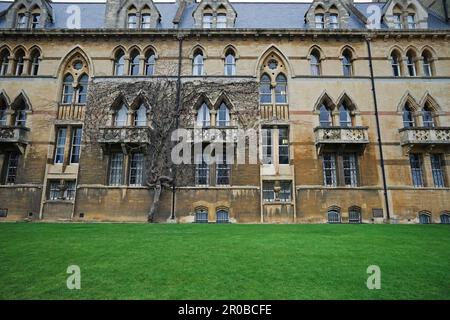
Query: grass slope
140, 261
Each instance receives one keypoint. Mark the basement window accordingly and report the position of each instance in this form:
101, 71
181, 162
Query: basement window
3, 213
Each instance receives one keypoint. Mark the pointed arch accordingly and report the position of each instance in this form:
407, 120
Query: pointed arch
4, 97
118, 101
35, 48
149, 48
318, 49
408, 98
141, 99
228, 48
411, 49
21, 98
77, 49
223, 98
345, 98
395, 48
19, 48
350, 49
431, 50
134, 47
195, 48
324, 99
203, 99
273, 50
428, 100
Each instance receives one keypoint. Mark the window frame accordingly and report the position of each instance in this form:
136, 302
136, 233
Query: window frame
416, 166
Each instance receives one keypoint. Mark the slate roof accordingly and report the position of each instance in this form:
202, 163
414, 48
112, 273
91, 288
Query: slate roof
276, 15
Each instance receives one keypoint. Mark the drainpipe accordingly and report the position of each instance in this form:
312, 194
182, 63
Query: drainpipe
380, 147
177, 117
444, 3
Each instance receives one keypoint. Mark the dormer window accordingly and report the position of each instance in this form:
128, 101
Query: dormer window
319, 21
334, 22
145, 21
397, 21
221, 20
35, 20
207, 21
22, 21
132, 21
411, 21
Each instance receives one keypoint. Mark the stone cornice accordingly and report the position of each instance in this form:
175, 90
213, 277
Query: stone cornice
245, 33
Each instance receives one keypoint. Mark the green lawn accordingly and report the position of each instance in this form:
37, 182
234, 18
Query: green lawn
161, 261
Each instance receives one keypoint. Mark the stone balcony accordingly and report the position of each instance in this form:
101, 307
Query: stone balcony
425, 136
124, 135
14, 135
214, 134
341, 137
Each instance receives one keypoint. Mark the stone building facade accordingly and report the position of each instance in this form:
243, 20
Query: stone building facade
353, 122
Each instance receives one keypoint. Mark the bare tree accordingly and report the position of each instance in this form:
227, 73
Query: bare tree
159, 95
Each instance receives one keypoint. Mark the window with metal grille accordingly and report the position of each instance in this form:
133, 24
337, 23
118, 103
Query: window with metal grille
201, 216
283, 145
285, 191
437, 168
116, 169
350, 164
60, 145
11, 170
54, 191
268, 191
222, 216
70, 190
136, 169
416, 169
424, 218
334, 216
267, 147
329, 169
3, 212
354, 215
76, 145
445, 218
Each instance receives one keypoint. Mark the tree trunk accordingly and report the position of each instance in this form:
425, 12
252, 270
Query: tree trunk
156, 196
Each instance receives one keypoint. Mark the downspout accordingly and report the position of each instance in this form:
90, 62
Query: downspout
444, 3
380, 147
177, 116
